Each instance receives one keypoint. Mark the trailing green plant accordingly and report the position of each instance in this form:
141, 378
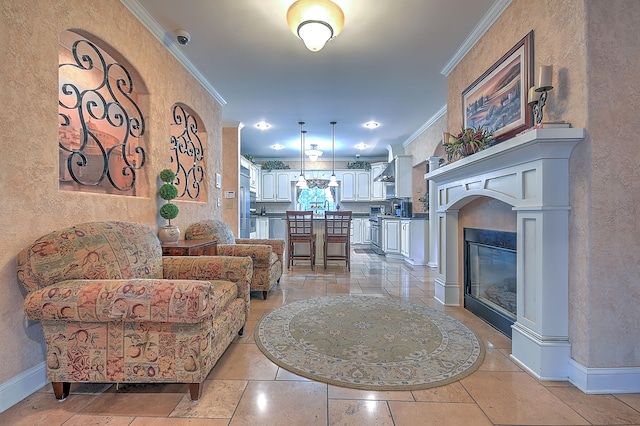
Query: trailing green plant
250, 158
359, 165
274, 165
168, 192
468, 141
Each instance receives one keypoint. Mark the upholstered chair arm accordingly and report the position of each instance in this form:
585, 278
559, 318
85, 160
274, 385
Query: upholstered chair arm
154, 300
238, 270
276, 245
259, 254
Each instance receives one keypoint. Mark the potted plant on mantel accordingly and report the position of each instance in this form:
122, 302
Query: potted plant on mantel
468, 141
168, 233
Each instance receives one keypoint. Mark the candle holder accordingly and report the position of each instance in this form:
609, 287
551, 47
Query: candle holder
537, 105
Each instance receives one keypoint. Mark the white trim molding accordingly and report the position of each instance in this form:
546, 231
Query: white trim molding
604, 380
487, 21
21, 386
438, 115
168, 41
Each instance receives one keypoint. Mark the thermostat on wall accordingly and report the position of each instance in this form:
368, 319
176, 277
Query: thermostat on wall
229, 194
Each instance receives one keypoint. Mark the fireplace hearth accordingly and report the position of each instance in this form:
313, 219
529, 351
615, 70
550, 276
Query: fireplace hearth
490, 289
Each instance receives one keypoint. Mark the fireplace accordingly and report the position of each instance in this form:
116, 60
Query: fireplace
490, 289
529, 172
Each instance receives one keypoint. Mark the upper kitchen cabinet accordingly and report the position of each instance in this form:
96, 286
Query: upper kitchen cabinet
276, 186
355, 185
377, 188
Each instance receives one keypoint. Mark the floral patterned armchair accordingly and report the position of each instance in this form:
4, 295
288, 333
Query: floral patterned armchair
113, 309
265, 253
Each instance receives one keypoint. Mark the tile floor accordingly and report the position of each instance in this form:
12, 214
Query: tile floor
245, 388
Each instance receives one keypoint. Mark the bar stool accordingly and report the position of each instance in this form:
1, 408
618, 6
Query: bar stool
337, 230
300, 230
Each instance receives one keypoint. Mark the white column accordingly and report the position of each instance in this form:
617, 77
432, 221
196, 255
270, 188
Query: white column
540, 336
447, 286
434, 163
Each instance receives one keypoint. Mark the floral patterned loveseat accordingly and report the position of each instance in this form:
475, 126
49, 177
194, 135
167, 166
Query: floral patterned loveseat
265, 253
113, 309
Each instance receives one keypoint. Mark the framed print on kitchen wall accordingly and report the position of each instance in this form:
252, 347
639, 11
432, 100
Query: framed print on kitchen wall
497, 100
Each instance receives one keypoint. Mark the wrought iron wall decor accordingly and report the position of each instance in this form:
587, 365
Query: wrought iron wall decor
101, 126
188, 153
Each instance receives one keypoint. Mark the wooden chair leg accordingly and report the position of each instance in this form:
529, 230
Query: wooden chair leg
264, 294
195, 390
241, 331
61, 390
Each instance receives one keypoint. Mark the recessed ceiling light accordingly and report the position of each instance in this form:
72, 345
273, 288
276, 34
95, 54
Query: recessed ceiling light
361, 146
371, 125
277, 147
263, 125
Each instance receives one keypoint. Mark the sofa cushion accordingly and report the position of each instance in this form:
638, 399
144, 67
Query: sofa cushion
210, 229
96, 250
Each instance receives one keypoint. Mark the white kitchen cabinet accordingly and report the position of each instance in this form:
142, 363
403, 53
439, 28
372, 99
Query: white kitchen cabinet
254, 180
276, 186
377, 188
262, 228
366, 231
355, 185
416, 244
405, 238
391, 236
356, 231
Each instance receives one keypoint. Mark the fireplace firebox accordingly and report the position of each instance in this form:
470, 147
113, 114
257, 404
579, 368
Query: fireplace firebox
490, 276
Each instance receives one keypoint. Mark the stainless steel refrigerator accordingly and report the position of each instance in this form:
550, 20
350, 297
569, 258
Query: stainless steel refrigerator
244, 197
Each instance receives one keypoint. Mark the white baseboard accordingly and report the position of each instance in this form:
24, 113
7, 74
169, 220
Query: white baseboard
21, 386
604, 380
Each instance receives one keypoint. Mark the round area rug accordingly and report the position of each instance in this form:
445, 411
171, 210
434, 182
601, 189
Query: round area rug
371, 343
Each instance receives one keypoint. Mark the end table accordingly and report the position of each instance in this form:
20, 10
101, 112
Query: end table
190, 248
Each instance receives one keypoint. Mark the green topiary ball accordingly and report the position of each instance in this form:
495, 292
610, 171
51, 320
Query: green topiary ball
169, 211
167, 176
168, 192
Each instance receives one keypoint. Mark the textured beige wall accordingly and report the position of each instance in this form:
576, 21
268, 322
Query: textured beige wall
231, 176
32, 204
606, 196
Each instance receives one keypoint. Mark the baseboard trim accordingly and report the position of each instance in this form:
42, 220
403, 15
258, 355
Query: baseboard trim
21, 386
604, 380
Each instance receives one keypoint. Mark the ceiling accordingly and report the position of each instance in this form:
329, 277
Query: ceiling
385, 66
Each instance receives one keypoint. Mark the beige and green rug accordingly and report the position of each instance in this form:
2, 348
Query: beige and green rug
369, 343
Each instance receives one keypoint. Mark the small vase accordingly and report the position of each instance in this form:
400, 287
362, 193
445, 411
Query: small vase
169, 234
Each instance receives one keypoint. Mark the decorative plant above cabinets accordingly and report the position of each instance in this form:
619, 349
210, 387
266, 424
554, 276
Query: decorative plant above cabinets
359, 165
274, 165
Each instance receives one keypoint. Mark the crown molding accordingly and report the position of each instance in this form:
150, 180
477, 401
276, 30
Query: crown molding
437, 116
487, 20
170, 44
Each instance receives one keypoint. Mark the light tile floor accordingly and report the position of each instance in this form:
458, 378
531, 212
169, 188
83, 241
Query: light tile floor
245, 388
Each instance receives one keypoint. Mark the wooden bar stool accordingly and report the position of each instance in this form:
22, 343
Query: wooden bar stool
300, 230
337, 230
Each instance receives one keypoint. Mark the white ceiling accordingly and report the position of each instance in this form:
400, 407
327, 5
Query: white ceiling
386, 66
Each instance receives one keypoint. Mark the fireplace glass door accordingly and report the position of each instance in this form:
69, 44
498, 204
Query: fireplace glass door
490, 277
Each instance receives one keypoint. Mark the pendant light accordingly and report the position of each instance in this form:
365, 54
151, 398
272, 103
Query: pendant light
333, 181
302, 182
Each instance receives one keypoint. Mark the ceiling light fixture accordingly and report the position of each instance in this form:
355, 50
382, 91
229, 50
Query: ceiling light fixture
371, 124
333, 181
277, 147
361, 146
263, 125
315, 22
314, 152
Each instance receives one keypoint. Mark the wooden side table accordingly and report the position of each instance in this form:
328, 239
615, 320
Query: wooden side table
190, 248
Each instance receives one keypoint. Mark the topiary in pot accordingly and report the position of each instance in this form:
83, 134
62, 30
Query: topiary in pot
168, 233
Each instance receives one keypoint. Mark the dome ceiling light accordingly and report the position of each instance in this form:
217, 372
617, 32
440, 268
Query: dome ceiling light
315, 22
314, 152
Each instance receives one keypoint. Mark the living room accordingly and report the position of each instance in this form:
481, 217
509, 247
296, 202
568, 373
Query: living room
592, 46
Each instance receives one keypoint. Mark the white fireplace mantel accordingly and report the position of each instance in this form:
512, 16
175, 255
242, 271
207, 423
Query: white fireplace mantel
531, 173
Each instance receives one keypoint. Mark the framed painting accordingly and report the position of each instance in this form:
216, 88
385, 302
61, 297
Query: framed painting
498, 99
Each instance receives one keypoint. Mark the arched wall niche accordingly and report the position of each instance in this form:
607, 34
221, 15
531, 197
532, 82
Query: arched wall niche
102, 108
